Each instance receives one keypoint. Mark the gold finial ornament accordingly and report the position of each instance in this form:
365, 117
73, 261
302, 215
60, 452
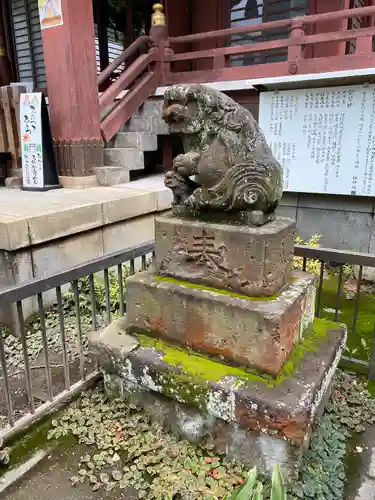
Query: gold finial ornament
158, 17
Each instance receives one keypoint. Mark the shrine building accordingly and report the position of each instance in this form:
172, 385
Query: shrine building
83, 54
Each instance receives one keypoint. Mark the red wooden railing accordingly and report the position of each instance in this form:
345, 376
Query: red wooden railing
136, 83
141, 77
297, 60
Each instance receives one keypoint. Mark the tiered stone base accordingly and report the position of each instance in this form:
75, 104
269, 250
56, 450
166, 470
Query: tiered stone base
260, 367
257, 420
255, 332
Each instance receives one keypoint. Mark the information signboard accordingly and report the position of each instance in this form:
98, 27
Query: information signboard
39, 172
324, 138
31, 140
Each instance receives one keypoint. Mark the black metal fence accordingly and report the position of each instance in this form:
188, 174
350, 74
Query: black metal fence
33, 386
45, 362
336, 270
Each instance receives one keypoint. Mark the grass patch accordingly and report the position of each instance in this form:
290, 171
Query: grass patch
23, 447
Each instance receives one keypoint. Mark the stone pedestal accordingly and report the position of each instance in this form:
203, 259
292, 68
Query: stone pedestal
220, 341
254, 261
248, 331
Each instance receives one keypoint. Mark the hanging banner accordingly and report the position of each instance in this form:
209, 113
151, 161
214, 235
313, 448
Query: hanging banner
39, 170
50, 13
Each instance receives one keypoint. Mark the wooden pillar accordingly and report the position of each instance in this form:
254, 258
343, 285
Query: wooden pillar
69, 55
209, 15
330, 48
179, 16
161, 46
129, 33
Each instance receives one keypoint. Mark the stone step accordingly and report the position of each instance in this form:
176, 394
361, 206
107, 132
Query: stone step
144, 141
151, 108
130, 158
148, 118
111, 176
154, 125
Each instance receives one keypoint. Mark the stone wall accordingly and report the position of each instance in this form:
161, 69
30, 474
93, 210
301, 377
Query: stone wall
344, 222
45, 234
57, 255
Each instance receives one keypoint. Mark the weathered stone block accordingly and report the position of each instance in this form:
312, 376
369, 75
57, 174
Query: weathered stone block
256, 420
131, 158
112, 176
126, 234
141, 140
249, 331
255, 261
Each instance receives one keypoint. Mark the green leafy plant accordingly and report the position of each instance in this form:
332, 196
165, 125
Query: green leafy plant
126, 449
350, 409
348, 271
312, 266
366, 349
253, 489
100, 293
322, 473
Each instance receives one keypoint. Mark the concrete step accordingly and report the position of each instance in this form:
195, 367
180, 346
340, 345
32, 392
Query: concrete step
153, 125
130, 158
144, 141
151, 108
111, 176
148, 118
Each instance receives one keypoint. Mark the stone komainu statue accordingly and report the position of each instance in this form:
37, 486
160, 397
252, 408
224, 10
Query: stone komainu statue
235, 171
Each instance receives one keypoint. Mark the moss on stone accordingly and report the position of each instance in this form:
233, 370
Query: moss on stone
200, 368
185, 388
193, 286
24, 446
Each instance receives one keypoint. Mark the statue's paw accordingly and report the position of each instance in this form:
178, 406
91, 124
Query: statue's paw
179, 162
192, 202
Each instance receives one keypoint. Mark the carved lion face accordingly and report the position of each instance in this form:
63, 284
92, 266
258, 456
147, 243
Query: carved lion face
181, 111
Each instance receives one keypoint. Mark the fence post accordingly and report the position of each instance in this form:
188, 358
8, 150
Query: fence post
161, 46
295, 52
371, 371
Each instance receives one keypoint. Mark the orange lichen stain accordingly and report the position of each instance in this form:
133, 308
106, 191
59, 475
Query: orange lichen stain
271, 361
157, 324
198, 338
255, 419
290, 327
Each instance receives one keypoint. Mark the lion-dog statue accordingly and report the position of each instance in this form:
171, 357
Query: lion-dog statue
227, 168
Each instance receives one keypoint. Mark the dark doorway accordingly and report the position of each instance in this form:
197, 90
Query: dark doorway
119, 23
